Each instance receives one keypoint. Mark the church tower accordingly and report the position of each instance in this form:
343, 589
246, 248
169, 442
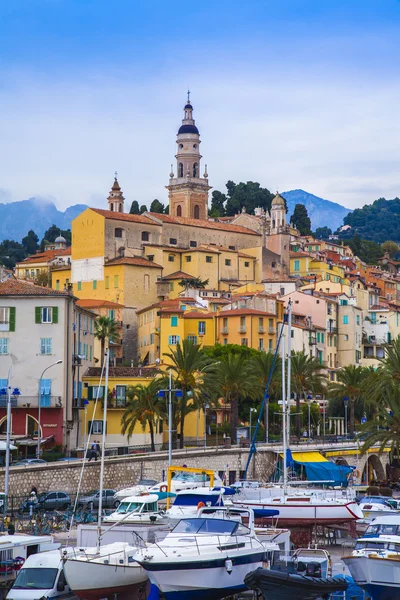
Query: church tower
116, 199
188, 192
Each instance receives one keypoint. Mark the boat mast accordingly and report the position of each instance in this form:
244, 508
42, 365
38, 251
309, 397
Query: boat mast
103, 448
289, 366
284, 439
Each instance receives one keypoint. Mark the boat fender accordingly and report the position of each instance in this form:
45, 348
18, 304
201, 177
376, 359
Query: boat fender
356, 473
164, 488
228, 566
18, 562
200, 504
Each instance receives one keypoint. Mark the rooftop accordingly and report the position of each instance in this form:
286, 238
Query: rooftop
134, 261
96, 303
207, 224
16, 287
122, 372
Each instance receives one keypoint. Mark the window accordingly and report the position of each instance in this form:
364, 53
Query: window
150, 257
46, 314
96, 389
173, 241
180, 170
195, 170
246, 264
115, 281
7, 318
273, 265
202, 327
3, 345
107, 282
192, 338
192, 244
118, 232
145, 236
335, 340
209, 259
79, 286
232, 247
90, 353
323, 338
188, 258
94, 284
95, 427
269, 344
297, 265
228, 262
318, 337
171, 258
173, 340
179, 210
196, 211
45, 345
225, 341
345, 320
358, 319
244, 342
111, 314
174, 321
120, 394
261, 344
45, 392
171, 286
57, 284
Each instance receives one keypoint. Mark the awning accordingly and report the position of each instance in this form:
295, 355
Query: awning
318, 468
3, 446
32, 442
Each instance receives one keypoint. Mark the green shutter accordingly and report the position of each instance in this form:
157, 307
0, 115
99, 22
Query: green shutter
90, 393
38, 315
55, 314
12, 318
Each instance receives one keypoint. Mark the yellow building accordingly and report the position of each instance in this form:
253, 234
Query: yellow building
42, 263
247, 327
120, 378
303, 264
112, 310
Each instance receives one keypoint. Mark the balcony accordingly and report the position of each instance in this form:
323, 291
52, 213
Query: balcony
271, 330
331, 329
224, 330
261, 329
242, 329
312, 340
32, 401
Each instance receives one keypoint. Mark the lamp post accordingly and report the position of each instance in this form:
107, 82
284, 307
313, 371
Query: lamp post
7, 474
346, 402
309, 398
58, 362
206, 406
161, 394
251, 411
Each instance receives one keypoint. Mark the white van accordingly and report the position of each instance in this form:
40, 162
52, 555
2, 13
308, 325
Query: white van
41, 576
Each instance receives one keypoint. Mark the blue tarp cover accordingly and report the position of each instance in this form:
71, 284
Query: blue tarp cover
323, 470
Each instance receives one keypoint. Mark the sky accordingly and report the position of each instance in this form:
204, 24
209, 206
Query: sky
290, 93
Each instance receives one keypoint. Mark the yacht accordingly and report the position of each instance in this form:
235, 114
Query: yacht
205, 558
187, 502
376, 506
375, 561
139, 510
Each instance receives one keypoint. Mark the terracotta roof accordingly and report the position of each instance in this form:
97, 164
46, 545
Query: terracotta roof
87, 303
219, 301
195, 314
296, 254
244, 311
134, 261
16, 287
179, 275
207, 224
123, 372
243, 255
117, 216
46, 255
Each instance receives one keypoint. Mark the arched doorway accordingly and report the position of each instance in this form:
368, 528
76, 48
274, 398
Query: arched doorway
373, 470
32, 426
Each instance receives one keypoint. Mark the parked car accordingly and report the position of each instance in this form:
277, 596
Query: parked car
91, 500
25, 462
48, 501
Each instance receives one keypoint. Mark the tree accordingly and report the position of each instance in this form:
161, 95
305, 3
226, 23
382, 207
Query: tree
43, 279
235, 380
134, 208
11, 252
248, 195
265, 372
143, 209
322, 233
301, 220
307, 376
378, 221
218, 200
390, 247
30, 242
144, 407
194, 283
105, 328
52, 233
350, 384
156, 206
191, 367
218, 351
384, 429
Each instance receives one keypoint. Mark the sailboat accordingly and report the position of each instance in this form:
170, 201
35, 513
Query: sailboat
108, 570
307, 506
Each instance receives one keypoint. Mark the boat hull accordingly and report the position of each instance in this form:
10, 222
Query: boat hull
380, 577
96, 581
208, 579
305, 513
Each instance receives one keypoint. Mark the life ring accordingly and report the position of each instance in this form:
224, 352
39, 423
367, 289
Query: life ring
18, 562
356, 473
164, 488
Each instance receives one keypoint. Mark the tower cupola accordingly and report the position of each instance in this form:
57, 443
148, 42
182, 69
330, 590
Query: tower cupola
115, 198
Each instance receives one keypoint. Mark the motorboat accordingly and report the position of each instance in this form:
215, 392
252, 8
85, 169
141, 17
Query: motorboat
139, 510
187, 502
111, 570
377, 506
375, 561
204, 558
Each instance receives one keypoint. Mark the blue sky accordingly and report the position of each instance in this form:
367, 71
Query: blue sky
293, 94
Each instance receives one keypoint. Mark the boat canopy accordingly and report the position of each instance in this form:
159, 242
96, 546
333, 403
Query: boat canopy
318, 468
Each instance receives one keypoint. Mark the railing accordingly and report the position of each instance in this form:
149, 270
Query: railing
332, 330
271, 330
261, 329
242, 329
224, 330
46, 401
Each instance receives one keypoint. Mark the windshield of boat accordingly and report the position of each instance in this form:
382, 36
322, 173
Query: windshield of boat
197, 477
384, 529
135, 507
36, 579
210, 527
368, 545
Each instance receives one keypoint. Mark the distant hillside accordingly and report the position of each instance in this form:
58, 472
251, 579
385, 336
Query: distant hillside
321, 212
377, 222
17, 218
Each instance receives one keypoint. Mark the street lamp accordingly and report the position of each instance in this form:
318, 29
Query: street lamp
161, 394
58, 362
251, 411
309, 398
346, 402
16, 392
206, 406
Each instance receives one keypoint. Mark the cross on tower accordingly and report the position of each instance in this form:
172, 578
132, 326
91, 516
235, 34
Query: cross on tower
115, 174
188, 98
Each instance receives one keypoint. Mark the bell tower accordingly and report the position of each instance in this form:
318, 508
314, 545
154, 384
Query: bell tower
188, 192
115, 198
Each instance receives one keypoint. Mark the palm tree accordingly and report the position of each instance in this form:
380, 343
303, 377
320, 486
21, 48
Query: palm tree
307, 375
386, 376
144, 407
105, 328
235, 380
263, 370
350, 384
385, 428
191, 365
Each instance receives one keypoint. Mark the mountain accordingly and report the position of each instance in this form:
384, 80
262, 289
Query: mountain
321, 212
17, 218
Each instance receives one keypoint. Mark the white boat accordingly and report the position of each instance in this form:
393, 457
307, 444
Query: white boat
187, 502
204, 558
139, 510
377, 506
375, 561
96, 574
